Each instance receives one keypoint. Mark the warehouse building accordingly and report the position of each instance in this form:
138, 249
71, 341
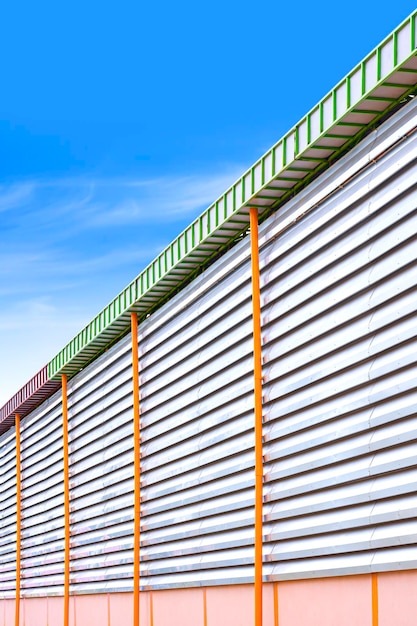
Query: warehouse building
233, 439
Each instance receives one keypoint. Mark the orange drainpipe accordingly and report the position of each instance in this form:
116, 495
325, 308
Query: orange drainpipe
205, 607
136, 453
66, 499
151, 622
257, 368
18, 518
276, 606
374, 584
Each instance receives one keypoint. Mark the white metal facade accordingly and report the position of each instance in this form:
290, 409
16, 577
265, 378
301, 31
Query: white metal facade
338, 295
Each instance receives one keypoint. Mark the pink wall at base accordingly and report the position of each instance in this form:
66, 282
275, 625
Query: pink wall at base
34, 612
344, 601
338, 601
234, 605
7, 609
173, 606
397, 598
121, 609
91, 610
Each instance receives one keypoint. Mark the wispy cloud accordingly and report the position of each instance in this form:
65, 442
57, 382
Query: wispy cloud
79, 203
68, 246
72, 229
13, 196
184, 196
31, 331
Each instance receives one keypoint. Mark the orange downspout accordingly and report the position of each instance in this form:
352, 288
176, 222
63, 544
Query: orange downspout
18, 518
276, 605
257, 368
66, 500
374, 584
136, 467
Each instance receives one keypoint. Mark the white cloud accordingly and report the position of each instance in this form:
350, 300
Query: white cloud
82, 203
68, 246
13, 196
155, 200
31, 333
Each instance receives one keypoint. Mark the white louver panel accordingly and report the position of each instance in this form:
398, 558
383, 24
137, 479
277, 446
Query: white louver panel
340, 391
8, 514
42, 548
196, 398
338, 294
101, 474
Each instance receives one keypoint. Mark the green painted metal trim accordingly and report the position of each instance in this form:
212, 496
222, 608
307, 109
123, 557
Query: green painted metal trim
183, 256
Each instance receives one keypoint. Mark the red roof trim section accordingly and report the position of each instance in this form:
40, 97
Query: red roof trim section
31, 395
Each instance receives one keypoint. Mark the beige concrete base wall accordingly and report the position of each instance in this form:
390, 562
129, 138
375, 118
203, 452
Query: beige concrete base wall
388, 599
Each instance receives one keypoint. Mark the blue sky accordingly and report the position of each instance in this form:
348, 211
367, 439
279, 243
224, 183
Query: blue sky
121, 122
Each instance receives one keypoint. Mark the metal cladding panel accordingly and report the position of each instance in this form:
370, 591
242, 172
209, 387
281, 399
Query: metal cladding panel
100, 422
8, 514
196, 380
340, 338
338, 286
42, 547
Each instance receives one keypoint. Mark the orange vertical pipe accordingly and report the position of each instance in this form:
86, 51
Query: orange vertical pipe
257, 368
276, 606
151, 622
204, 607
18, 518
66, 499
136, 468
108, 610
374, 583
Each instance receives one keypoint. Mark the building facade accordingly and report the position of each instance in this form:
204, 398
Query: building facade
138, 480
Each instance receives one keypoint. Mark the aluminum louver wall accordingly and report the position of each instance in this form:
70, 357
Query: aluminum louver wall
339, 349
8, 514
339, 334
338, 293
340, 352
42, 501
197, 432
101, 474
197, 444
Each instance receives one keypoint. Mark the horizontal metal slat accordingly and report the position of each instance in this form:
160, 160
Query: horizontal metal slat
392, 559
341, 518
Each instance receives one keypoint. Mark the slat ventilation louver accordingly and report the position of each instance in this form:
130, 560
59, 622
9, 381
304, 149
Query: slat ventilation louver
339, 343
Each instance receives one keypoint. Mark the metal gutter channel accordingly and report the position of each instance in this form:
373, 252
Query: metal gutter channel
28, 398
381, 82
